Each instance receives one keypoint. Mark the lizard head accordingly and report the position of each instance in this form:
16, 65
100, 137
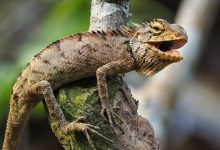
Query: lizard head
154, 46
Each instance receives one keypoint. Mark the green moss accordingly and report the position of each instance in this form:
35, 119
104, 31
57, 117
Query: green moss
73, 99
81, 99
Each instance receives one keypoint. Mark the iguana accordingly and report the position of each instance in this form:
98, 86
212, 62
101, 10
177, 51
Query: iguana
146, 48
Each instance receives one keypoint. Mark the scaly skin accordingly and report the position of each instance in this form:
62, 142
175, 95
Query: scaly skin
143, 48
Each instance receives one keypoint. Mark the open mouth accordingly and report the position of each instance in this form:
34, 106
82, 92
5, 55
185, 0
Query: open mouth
167, 49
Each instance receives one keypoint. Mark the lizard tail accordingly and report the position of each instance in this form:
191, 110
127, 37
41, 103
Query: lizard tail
16, 122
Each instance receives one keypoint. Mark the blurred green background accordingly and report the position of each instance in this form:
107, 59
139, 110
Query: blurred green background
27, 26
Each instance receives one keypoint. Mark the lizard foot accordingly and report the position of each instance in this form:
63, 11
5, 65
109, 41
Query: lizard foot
112, 117
84, 128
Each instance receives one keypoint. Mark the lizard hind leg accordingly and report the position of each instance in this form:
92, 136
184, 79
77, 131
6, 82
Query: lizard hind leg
84, 128
43, 90
58, 118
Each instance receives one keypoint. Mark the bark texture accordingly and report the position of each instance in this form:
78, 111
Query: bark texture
108, 14
80, 99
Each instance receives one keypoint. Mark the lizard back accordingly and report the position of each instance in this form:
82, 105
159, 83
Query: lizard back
73, 58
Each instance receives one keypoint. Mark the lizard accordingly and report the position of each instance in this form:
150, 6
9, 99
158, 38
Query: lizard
146, 48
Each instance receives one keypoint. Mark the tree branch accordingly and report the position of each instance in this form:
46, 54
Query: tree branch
81, 97
108, 14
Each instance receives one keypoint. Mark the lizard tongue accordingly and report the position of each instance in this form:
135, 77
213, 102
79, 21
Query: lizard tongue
173, 52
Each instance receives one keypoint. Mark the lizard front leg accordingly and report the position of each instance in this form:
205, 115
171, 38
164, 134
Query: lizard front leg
112, 68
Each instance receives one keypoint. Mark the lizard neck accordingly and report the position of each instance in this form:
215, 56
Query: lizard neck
146, 60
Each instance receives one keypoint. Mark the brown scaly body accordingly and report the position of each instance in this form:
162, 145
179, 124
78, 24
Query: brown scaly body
145, 48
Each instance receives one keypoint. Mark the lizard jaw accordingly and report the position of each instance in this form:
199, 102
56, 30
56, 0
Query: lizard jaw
167, 49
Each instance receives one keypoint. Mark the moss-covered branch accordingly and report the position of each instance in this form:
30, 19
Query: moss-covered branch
80, 99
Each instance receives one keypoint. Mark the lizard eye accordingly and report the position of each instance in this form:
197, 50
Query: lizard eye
156, 27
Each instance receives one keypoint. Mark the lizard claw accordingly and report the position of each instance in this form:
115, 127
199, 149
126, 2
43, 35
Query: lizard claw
112, 117
105, 111
84, 128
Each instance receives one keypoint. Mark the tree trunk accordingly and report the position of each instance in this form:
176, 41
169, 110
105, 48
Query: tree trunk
80, 98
